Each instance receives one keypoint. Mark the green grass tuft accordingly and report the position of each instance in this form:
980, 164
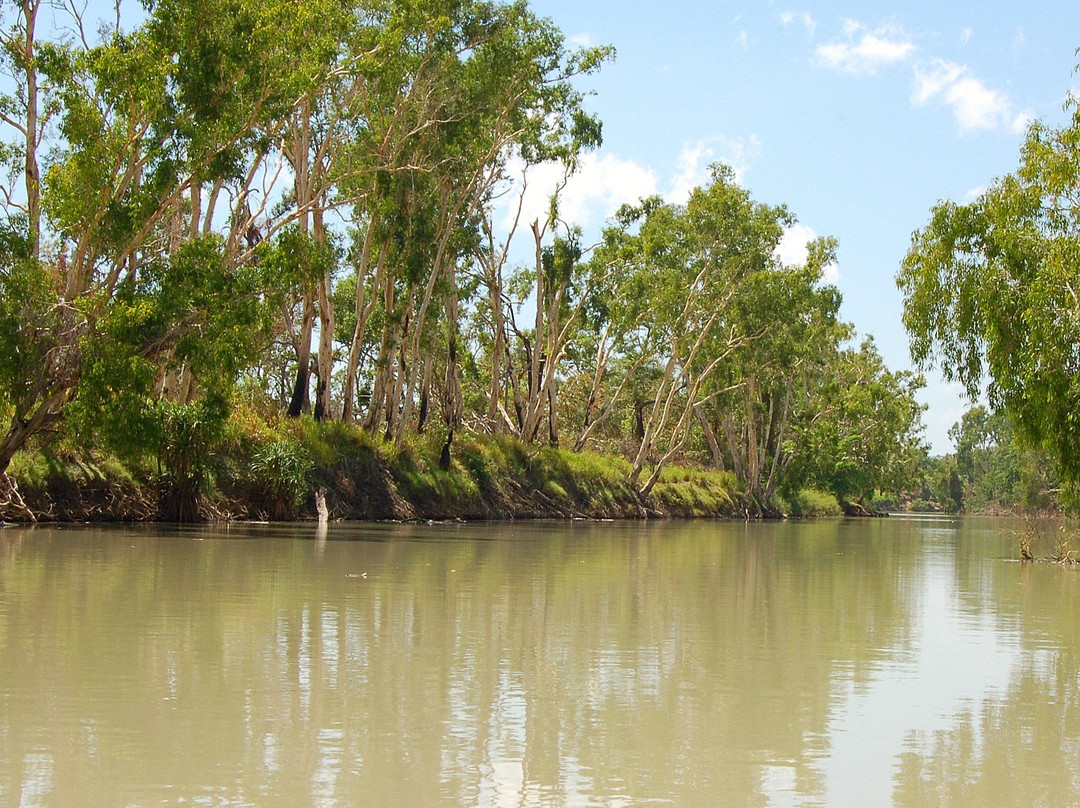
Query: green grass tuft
811, 503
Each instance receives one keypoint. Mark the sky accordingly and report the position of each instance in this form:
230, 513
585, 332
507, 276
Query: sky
857, 116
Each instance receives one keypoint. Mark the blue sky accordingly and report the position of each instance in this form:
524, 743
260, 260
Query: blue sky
858, 116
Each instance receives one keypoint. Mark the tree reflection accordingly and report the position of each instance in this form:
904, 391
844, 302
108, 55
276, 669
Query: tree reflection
1019, 747
690, 664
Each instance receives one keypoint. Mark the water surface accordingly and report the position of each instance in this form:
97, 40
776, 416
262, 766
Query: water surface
899, 661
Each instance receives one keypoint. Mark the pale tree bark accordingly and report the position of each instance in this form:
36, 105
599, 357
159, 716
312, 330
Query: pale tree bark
681, 431
425, 394
498, 346
553, 414
710, 438
677, 375
494, 259
452, 403
757, 449
590, 424
298, 154
41, 406
676, 370
308, 156
534, 354
387, 376
404, 400
457, 203
326, 329
29, 10
551, 337
364, 309
325, 365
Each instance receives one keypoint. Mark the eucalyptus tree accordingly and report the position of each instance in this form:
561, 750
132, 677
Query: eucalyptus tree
681, 268
992, 292
865, 431
124, 152
559, 287
495, 80
771, 380
608, 362
350, 50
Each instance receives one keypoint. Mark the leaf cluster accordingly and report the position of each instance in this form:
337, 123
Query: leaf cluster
992, 293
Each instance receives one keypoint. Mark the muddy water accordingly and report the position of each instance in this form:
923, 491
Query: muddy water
901, 661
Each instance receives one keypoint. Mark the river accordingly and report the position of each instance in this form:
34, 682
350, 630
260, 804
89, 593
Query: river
899, 661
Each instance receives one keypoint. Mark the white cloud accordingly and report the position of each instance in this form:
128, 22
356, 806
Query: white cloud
693, 170
695, 159
600, 186
933, 79
1022, 121
740, 155
864, 55
864, 51
804, 17
742, 40
792, 247
974, 105
852, 27
604, 183
973, 194
792, 250
582, 40
965, 36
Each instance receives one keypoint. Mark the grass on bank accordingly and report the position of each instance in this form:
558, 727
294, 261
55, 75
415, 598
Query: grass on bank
809, 503
270, 468
65, 486
684, 492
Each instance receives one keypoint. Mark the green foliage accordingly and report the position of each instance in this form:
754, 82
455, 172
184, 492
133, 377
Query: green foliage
434, 492
152, 279
808, 503
866, 434
555, 491
990, 290
189, 313
293, 259
216, 317
944, 486
996, 470
34, 470
282, 470
28, 315
772, 391
678, 266
189, 436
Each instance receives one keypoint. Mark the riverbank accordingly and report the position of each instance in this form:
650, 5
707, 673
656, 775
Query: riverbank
285, 471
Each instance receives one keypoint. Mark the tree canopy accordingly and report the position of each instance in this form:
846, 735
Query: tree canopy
992, 292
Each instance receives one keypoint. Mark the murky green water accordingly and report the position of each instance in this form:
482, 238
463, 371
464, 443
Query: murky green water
900, 661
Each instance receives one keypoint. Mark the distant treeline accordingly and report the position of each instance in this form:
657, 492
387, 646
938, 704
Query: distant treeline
990, 471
